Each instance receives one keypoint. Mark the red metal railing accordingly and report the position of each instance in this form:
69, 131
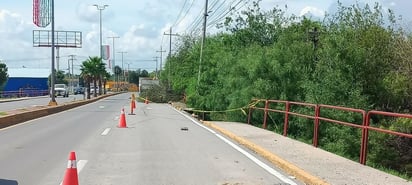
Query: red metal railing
364, 125
23, 93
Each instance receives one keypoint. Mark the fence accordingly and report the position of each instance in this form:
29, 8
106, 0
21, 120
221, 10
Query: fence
317, 117
23, 93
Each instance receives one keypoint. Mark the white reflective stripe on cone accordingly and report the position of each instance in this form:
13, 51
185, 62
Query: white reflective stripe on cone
71, 164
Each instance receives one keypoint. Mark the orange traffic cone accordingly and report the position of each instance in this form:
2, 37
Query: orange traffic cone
122, 120
146, 101
132, 107
70, 177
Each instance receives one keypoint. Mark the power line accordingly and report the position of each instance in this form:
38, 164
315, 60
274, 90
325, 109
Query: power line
179, 19
180, 13
238, 6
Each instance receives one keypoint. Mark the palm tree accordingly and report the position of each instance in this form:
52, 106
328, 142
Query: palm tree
93, 69
97, 71
117, 72
105, 77
86, 73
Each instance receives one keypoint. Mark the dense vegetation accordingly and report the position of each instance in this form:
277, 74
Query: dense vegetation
3, 75
358, 57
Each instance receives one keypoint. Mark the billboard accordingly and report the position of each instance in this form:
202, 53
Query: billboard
105, 52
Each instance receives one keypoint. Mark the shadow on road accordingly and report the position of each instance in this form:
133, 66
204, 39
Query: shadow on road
8, 182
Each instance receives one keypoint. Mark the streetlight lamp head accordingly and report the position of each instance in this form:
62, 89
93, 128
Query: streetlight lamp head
100, 7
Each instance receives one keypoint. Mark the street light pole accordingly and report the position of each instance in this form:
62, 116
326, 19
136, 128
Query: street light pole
114, 51
100, 8
122, 52
114, 62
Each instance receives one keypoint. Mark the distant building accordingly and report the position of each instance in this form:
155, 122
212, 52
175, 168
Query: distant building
27, 82
146, 83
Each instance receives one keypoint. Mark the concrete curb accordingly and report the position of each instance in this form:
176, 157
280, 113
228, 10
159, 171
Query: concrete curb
276, 160
10, 120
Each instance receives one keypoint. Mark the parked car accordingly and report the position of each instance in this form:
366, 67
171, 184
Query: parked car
92, 90
79, 90
61, 90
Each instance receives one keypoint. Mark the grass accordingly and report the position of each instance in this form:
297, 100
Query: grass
3, 113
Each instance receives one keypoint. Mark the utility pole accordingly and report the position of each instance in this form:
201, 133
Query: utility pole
161, 58
114, 60
53, 71
114, 52
155, 58
122, 52
58, 58
170, 34
71, 73
202, 44
314, 37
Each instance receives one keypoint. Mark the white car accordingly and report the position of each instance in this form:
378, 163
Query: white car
61, 90
92, 90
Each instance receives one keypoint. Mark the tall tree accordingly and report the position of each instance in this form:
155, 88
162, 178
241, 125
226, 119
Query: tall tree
3, 75
117, 73
98, 70
87, 74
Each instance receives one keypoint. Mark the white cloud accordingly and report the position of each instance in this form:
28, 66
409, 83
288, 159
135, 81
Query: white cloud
140, 24
11, 23
313, 11
87, 12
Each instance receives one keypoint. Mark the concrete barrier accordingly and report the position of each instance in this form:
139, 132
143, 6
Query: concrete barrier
29, 114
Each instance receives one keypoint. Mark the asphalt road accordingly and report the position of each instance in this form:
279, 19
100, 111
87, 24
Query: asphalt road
152, 150
35, 101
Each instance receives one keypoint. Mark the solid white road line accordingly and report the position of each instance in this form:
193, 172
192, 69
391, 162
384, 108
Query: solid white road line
248, 155
106, 131
80, 166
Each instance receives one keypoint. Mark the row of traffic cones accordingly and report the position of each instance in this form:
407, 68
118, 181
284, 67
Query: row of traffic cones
122, 120
70, 176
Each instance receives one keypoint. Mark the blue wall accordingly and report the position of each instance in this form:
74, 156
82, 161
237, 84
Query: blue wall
26, 85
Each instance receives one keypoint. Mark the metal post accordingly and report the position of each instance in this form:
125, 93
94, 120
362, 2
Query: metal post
114, 51
161, 59
202, 44
53, 72
122, 52
100, 8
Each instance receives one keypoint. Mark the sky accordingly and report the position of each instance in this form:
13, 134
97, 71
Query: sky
140, 25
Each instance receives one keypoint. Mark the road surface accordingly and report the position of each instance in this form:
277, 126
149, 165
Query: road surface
156, 148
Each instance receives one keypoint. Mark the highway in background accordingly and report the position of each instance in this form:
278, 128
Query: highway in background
154, 149
6, 104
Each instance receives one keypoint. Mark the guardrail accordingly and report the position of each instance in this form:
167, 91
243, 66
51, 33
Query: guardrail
364, 125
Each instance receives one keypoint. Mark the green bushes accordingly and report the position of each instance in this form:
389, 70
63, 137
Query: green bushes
353, 58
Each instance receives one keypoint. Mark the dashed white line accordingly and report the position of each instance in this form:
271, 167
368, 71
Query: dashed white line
106, 131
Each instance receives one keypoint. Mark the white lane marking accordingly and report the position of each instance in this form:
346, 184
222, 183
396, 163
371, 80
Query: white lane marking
258, 162
106, 131
80, 166
248, 155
